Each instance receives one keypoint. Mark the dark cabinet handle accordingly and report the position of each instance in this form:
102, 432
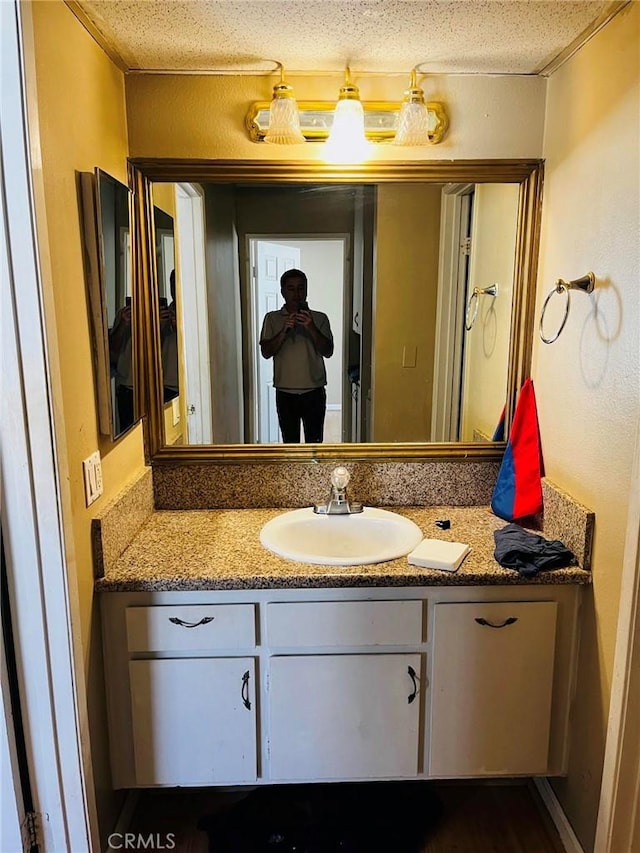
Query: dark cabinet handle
245, 691
204, 621
504, 624
415, 679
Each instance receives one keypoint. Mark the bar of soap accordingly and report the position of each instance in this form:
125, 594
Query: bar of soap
438, 554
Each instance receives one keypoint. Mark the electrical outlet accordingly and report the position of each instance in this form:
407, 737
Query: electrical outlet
92, 471
175, 410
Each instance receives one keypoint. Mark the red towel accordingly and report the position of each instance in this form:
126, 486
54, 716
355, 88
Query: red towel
518, 489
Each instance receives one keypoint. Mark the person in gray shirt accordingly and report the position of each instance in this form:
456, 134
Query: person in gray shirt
298, 340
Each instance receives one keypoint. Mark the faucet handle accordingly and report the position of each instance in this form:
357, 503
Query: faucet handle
340, 478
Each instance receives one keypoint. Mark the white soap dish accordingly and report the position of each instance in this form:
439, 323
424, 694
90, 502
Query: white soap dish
438, 554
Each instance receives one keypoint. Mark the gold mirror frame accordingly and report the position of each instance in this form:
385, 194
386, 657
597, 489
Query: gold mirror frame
144, 171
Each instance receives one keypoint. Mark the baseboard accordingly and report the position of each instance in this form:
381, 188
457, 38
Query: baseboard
556, 813
123, 822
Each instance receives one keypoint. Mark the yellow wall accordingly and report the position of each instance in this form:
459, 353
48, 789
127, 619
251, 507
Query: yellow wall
486, 355
82, 124
587, 383
407, 240
203, 116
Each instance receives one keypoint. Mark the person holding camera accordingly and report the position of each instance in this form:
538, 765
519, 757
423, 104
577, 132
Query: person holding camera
298, 340
120, 357
169, 342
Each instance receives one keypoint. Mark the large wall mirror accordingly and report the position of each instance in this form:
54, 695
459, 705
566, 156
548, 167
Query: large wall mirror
422, 275
107, 238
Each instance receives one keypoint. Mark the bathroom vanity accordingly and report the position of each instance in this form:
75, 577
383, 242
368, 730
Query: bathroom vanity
228, 665
208, 688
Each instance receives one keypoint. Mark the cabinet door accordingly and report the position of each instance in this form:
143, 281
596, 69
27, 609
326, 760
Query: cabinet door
194, 720
491, 688
344, 716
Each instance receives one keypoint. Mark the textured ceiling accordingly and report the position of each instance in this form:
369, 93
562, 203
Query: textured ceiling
446, 36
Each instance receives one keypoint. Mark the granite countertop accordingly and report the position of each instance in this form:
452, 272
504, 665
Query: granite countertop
220, 549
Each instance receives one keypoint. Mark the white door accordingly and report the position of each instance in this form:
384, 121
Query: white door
486, 345
344, 716
453, 269
194, 337
12, 810
42, 588
491, 688
194, 721
270, 261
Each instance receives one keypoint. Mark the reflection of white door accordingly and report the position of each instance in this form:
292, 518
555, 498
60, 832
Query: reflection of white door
486, 345
453, 270
166, 262
270, 261
194, 336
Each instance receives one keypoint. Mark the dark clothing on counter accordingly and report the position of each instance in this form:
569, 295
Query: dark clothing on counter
529, 553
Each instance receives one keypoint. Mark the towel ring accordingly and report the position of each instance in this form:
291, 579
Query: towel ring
586, 284
492, 290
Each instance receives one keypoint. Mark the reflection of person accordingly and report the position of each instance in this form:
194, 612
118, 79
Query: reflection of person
122, 364
298, 340
169, 341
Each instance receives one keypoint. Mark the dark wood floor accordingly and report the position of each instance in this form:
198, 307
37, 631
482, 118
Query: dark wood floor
475, 818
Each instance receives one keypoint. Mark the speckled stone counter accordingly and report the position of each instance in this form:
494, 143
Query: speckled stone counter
220, 549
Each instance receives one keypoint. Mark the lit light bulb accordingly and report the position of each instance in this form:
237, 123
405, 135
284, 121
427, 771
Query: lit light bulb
347, 142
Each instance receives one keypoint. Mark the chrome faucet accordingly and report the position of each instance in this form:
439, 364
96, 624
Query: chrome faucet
338, 504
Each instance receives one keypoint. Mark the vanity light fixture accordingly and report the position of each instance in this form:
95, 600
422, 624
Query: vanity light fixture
413, 121
284, 119
347, 142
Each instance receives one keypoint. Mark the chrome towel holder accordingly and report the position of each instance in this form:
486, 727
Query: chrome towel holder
585, 283
492, 290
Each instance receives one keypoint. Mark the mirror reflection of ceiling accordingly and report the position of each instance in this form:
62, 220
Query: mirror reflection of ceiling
446, 36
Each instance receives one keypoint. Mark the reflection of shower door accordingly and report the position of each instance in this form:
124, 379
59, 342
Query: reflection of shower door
270, 260
455, 248
165, 260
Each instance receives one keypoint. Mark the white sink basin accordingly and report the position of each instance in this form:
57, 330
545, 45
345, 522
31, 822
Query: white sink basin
372, 536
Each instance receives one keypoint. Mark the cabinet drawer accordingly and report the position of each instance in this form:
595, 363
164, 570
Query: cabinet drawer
344, 623
192, 627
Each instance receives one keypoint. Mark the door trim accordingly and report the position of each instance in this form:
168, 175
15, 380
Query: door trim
50, 672
618, 821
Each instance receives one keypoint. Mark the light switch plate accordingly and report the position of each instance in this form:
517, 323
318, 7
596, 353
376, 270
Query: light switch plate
409, 355
92, 472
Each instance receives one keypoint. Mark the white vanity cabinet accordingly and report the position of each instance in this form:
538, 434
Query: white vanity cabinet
193, 721
185, 708
335, 714
266, 686
344, 717
491, 688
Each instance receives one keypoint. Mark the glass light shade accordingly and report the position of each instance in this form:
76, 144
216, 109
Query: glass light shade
347, 141
413, 124
413, 121
284, 119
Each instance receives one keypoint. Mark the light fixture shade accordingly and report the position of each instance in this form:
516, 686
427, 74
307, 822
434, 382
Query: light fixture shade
284, 119
347, 141
413, 121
